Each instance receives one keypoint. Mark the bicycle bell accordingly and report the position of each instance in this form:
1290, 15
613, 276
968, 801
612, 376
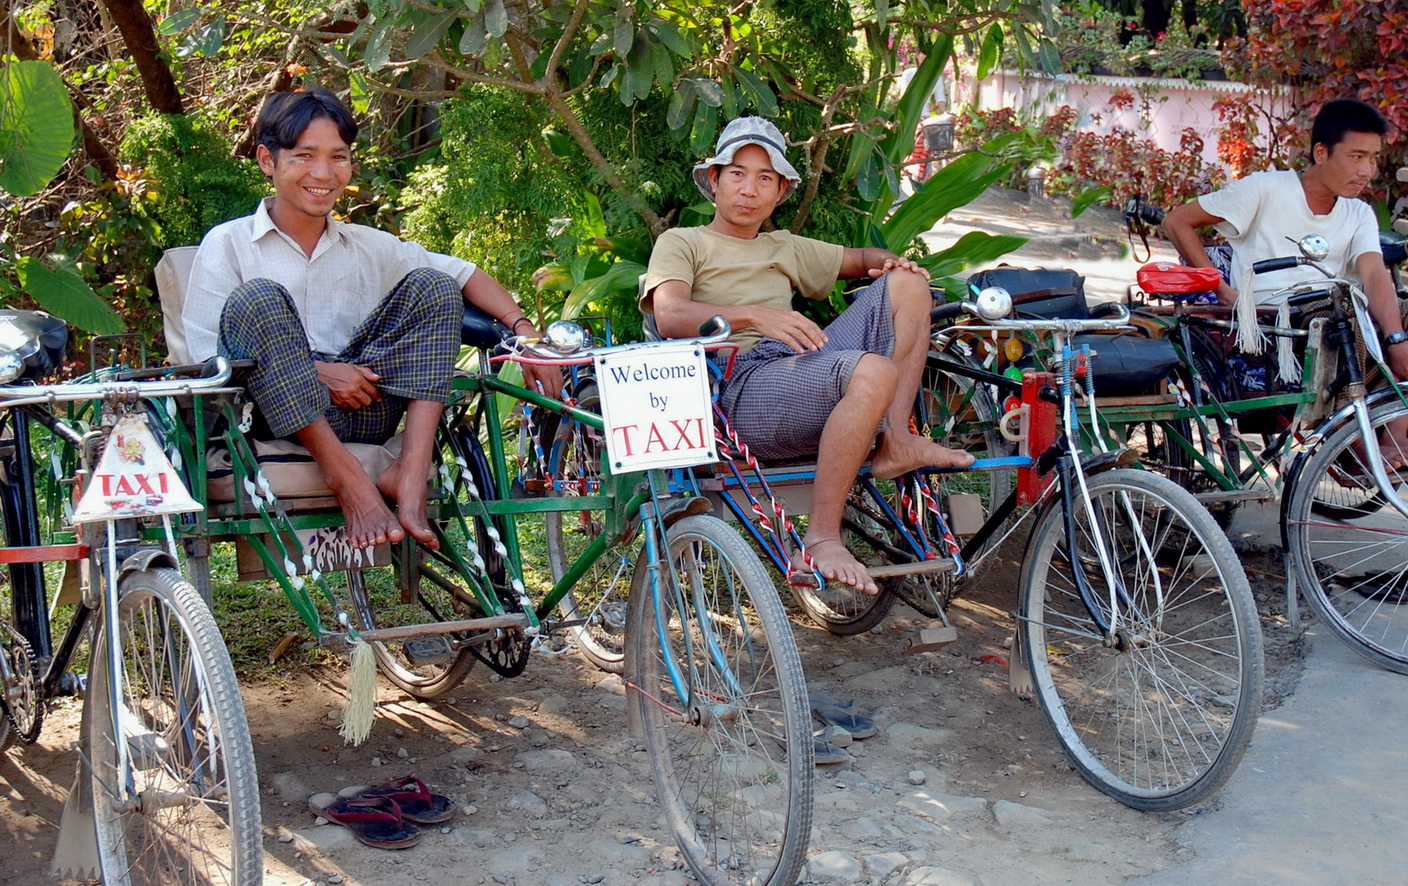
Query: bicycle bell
1314, 247
565, 337
993, 303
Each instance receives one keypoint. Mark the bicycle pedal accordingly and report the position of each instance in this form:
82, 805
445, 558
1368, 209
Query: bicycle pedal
424, 650
929, 639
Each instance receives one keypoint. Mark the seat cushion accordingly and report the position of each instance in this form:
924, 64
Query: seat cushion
290, 469
173, 272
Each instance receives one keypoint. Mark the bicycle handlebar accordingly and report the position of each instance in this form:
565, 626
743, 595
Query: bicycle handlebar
1118, 320
215, 372
1285, 263
714, 334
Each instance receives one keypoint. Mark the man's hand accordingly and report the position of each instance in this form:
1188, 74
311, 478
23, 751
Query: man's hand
544, 379
899, 263
1397, 358
788, 327
350, 386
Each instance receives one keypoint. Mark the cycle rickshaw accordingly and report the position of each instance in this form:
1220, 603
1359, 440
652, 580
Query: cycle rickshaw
167, 790
1122, 567
1327, 442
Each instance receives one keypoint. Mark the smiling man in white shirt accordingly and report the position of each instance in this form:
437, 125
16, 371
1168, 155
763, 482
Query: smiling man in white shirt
351, 328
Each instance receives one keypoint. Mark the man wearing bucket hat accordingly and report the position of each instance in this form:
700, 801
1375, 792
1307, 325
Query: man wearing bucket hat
843, 393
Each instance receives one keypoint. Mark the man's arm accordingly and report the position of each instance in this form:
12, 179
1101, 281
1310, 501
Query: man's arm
873, 262
678, 315
489, 296
1383, 307
1181, 228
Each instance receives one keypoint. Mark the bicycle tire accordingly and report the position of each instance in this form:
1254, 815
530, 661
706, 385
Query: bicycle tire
186, 733
598, 598
1345, 544
734, 773
1159, 719
432, 588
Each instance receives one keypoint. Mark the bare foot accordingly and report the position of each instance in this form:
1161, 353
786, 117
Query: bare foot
410, 497
899, 453
369, 521
833, 560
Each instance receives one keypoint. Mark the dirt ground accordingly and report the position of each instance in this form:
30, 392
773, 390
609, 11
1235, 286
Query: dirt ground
552, 791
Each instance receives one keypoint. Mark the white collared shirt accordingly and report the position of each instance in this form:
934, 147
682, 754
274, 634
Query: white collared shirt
352, 269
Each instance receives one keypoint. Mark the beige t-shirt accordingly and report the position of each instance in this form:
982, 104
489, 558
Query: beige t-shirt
724, 270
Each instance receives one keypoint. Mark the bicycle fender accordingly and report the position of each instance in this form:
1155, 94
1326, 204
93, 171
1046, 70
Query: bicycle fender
152, 558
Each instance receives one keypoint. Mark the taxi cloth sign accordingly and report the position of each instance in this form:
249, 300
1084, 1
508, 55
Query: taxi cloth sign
656, 407
133, 479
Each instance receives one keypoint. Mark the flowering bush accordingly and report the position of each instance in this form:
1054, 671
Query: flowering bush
1121, 159
1334, 49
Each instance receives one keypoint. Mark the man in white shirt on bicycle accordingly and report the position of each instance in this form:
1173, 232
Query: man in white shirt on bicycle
1264, 214
350, 328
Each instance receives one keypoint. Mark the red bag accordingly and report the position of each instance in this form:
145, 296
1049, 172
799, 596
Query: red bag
1166, 278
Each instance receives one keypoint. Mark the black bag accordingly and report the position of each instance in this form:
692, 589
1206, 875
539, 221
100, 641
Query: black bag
38, 338
1125, 365
1046, 293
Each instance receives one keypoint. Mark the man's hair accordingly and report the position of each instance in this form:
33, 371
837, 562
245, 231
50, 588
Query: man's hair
285, 115
1342, 116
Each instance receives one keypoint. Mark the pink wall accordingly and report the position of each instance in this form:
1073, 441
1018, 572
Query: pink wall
1174, 106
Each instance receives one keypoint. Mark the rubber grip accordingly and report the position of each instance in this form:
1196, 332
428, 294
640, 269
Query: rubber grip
946, 310
1267, 265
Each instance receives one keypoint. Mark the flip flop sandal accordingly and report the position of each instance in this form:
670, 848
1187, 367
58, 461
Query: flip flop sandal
844, 715
374, 821
417, 803
827, 754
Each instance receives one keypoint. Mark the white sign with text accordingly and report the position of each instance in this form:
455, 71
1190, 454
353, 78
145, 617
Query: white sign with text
656, 406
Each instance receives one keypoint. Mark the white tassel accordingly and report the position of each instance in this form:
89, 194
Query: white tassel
1287, 369
1250, 338
361, 695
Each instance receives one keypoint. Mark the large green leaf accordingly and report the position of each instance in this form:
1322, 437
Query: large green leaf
623, 275
957, 184
910, 113
973, 248
36, 126
65, 294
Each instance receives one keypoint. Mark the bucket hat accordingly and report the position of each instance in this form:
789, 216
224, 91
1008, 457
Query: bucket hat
748, 131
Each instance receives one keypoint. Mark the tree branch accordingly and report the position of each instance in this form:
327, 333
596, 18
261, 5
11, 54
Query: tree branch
139, 35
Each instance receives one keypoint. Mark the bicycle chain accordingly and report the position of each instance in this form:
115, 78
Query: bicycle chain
29, 718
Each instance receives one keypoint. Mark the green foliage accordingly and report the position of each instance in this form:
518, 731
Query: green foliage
36, 126
64, 293
192, 181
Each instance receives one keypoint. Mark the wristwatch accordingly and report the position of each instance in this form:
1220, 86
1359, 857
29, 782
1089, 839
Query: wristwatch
1394, 338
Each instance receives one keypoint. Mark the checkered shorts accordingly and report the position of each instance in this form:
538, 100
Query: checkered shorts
410, 341
779, 400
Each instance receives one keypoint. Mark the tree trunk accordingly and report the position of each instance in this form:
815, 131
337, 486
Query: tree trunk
139, 34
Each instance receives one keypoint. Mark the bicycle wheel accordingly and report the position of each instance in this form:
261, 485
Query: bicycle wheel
178, 802
434, 586
1345, 542
595, 608
1159, 716
960, 412
731, 749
